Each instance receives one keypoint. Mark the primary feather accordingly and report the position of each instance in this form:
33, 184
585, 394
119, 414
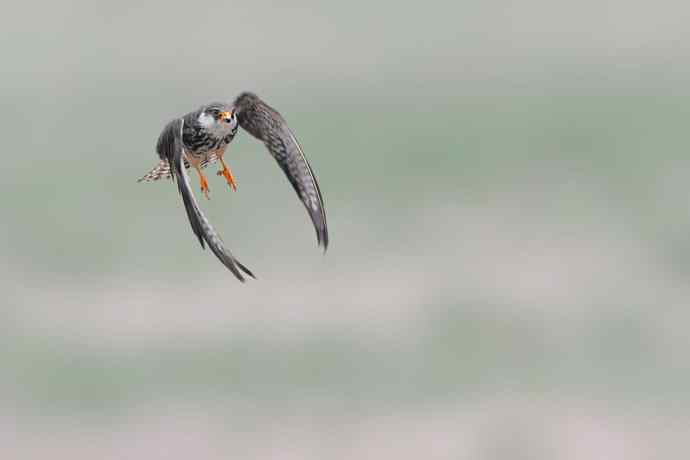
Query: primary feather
266, 124
170, 147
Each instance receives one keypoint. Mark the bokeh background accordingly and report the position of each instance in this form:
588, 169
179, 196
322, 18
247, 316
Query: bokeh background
507, 190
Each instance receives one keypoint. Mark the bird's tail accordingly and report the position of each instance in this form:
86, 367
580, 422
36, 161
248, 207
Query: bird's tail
163, 171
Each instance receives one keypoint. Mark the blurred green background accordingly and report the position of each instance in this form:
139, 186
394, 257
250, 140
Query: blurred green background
507, 194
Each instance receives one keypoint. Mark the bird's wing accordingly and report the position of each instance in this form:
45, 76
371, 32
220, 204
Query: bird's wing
170, 147
266, 124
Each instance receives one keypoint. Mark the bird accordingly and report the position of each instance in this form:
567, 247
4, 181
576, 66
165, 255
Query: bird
200, 138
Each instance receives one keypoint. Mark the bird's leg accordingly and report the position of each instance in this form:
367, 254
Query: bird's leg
225, 172
202, 181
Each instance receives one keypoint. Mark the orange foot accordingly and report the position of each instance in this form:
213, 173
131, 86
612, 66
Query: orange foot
204, 184
225, 172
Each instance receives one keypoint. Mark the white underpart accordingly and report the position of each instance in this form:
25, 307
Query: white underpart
218, 128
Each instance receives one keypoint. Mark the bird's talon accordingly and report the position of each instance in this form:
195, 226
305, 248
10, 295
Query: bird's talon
204, 185
225, 172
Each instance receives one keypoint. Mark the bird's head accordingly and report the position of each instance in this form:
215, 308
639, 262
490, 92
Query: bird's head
218, 118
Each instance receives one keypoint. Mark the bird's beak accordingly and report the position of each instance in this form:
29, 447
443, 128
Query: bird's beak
227, 116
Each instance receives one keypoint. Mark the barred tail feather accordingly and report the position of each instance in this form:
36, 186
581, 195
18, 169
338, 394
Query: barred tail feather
162, 169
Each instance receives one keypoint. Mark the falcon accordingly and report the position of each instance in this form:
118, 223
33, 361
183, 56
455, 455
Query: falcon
200, 138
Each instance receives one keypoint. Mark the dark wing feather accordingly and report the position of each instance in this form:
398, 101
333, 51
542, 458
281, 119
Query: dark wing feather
170, 147
266, 124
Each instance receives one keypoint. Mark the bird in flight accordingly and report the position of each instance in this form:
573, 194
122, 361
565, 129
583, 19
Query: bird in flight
200, 138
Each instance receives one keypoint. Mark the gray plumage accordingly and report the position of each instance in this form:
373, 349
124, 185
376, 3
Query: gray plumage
266, 124
193, 140
170, 147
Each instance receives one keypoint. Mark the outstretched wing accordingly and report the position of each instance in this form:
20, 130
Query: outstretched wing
170, 148
266, 124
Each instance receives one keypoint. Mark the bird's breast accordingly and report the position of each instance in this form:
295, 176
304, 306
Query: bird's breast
202, 143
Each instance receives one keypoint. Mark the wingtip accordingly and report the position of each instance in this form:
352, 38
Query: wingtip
322, 239
245, 269
235, 272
